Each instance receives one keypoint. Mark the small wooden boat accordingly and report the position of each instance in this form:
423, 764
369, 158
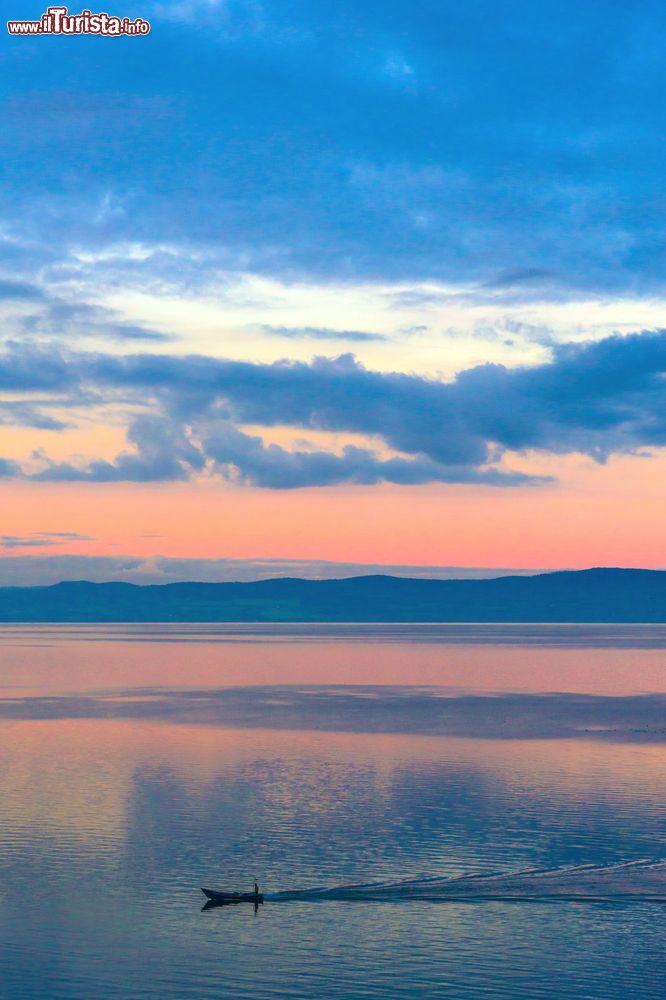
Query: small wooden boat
218, 896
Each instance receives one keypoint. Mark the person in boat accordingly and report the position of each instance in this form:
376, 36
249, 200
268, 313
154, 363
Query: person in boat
256, 888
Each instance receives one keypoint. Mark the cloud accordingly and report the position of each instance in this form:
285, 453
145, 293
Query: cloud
9, 468
245, 458
597, 398
42, 539
523, 276
20, 291
30, 415
62, 319
162, 453
417, 298
36, 570
530, 137
322, 333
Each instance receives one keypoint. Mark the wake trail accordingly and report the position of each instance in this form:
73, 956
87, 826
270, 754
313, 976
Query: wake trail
637, 881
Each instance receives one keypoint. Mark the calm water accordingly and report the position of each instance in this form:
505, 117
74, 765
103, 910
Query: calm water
139, 763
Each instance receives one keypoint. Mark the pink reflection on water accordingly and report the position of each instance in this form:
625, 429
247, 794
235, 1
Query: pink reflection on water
54, 660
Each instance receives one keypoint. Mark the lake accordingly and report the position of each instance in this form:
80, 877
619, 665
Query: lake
138, 763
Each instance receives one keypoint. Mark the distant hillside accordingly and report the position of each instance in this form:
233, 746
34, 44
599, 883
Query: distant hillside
595, 595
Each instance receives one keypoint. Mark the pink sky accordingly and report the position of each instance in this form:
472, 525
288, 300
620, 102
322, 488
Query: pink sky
594, 515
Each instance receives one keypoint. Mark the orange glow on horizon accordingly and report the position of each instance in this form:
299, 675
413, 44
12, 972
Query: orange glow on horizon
594, 515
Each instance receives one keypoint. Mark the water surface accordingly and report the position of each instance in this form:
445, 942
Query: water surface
138, 763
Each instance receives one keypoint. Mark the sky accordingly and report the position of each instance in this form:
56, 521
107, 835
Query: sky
326, 288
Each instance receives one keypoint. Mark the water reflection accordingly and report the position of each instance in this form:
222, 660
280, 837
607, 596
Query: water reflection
117, 805
612, 660
367, 709
220, 904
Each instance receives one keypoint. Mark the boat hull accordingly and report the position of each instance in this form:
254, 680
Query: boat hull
218, 896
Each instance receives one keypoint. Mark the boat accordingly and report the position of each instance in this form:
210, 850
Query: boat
218, 896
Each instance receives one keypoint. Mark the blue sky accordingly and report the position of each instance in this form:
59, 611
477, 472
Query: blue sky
514, 144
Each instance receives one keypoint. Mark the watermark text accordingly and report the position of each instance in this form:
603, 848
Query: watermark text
58, 21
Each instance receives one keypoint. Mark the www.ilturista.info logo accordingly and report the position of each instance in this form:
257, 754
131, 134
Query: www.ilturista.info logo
57, 21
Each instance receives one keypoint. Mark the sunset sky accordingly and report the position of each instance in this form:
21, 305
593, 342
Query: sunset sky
319, 288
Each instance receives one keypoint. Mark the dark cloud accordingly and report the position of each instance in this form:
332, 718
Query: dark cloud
246, 458
597, 398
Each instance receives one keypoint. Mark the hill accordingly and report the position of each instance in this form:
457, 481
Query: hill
594, 595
